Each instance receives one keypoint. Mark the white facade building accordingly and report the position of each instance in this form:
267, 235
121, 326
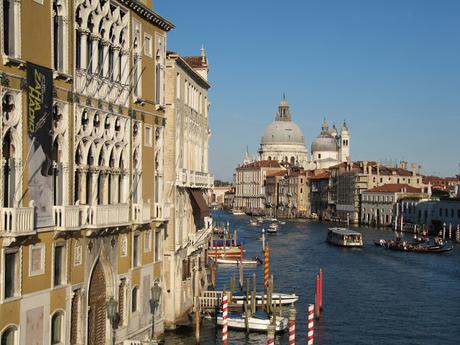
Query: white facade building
187, 179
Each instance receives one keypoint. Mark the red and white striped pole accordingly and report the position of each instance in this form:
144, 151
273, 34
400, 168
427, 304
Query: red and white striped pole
224, 319
271, 334
266, 265
292, 315
310, 324
320, 289
317, 296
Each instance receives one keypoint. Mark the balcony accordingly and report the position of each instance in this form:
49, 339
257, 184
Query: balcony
17, 221
141, 213
161, 212
66, 217
100, 216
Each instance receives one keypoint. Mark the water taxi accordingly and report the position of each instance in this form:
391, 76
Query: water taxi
278, 298
344, 237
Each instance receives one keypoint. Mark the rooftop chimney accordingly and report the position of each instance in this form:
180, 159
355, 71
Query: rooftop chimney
414, 169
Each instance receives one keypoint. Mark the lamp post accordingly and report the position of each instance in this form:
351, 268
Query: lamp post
156, 294
113, 315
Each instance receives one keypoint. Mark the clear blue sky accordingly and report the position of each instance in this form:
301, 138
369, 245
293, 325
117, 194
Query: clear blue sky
391, 68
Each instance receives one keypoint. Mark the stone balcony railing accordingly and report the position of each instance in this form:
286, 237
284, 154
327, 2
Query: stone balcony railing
98, 216
17, 221
194, 179
66, 217
141, 213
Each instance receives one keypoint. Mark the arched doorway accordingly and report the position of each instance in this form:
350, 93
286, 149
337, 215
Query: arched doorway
97, 307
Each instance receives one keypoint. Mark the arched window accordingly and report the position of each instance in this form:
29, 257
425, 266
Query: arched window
10, 336
134, 299
57, 331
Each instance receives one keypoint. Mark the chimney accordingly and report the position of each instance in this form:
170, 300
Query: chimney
364, 166
378, 168
403, 165
414, 169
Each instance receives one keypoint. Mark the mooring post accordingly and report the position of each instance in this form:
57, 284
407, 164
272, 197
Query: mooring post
320, 289
263, 239
292, 315
310, 324
458, 233
246, 317
450, 231
317, 296
253, 297
224, 318
241, 277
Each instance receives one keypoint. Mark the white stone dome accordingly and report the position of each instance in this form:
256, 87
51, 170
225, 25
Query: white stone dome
324, 142
282, 132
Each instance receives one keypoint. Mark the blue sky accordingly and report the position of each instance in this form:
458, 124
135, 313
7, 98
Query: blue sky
391, 68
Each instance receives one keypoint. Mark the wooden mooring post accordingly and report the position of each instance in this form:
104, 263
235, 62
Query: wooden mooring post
197, 319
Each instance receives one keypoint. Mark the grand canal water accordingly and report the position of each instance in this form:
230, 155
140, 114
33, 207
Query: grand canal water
371, 295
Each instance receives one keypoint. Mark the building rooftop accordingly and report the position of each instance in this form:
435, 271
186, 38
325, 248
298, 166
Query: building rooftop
394, 188
260, 164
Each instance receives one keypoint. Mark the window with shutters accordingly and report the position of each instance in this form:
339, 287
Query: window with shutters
57, 328
134, 299
10, 336
11, 276
59, 260
11, 28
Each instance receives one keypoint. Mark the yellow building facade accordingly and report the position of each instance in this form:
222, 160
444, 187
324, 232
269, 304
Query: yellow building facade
82, 217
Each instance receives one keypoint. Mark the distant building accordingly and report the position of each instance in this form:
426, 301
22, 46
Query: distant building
320, 195
250, 185
229, 198
293, 194
217, 195
433, 213
350, 180
378, 203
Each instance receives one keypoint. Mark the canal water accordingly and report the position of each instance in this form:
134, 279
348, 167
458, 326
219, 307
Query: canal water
371, 295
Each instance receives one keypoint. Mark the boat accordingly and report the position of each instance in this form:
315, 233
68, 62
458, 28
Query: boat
257, 322
414, 247
236, 260
233, 251
253, 221
237, 212
282, 222
260, 219
272, 228
344, 237
285, 298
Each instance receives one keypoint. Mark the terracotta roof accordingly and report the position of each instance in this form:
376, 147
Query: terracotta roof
261, 164
276, 173
196, 61
394, 188
321, 176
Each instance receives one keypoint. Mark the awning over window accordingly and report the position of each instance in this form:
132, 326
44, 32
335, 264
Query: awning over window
197, 196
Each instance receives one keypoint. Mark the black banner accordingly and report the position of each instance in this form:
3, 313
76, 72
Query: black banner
40, 129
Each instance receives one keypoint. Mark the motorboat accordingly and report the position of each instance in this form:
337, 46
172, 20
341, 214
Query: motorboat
284, 298
272, 228
253, 222
256, 322
344, 237
236, 260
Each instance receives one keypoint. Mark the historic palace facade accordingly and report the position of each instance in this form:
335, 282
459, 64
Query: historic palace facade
82, 217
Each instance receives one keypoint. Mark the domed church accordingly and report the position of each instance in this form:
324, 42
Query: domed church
283, 139
330, 147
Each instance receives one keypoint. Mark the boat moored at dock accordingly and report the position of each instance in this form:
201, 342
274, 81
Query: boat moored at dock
256, 322
344, 237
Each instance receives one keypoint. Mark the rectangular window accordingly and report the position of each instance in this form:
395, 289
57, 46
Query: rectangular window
58, 44
136, 258
59, 265
147, 44
36, 259
158, 247
148, 135
9, 27
178, 86
147, 241
11, 274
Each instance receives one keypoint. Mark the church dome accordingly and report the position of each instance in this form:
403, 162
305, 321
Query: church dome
282, 132
324, 142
